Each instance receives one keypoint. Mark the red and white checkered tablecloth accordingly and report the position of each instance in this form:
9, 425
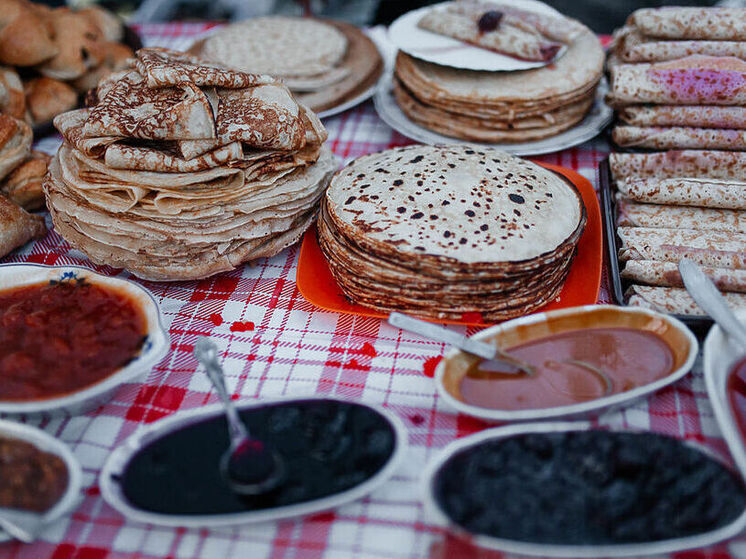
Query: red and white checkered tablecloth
274, 343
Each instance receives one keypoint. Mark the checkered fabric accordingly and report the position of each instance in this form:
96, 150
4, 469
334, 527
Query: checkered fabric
274, 343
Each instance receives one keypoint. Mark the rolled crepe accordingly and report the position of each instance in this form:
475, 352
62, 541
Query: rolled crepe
632, 214
707, 193
633, 46
667, 274
679, 137
673, 300
686, 163
718, 24
702, 116
694, 80
717, 249
17, 226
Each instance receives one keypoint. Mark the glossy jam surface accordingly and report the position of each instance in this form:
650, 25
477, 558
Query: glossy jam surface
56, 338
587, 487
572, 367
30, 479
736, 390
327, 447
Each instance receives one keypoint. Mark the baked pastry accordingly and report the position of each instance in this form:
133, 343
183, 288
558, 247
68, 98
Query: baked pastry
111, 26
26, 35
116, 56
23, 185
15, 143
80, 44
47, 97
17, 226
12, 97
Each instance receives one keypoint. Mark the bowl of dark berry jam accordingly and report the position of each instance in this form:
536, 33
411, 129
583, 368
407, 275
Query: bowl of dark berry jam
38, 473
69, 337
567, 490
333, 452
724, 364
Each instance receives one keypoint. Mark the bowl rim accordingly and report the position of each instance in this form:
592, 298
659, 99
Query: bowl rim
590, 551
597, 404
122, 454
719, 398
43, 441
143, 362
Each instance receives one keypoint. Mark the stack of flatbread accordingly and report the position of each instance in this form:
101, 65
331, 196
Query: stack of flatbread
183, 169
447, 231
677, 79
324, 63
502, 107
681, 204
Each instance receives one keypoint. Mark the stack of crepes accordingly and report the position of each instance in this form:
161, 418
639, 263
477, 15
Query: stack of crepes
677, 204
677, 79
183, 169
450, 232
324, 63
505, 107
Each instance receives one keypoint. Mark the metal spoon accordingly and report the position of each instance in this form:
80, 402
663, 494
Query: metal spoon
707, 296
502, 362
23, 525
247, 465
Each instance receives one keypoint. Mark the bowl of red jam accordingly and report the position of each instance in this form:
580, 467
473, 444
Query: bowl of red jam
69, 337
567, 489
39, 473
724, 364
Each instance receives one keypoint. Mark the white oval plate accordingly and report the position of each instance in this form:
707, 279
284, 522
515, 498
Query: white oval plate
554, 550
448, 51
719, 356
120, 457
47, 443
582, 409
591, 126
155, 347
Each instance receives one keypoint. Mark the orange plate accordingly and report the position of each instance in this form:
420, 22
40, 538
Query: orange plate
318, 286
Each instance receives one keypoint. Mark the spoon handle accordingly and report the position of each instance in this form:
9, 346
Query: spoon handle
707, 296
206, 353
434, 332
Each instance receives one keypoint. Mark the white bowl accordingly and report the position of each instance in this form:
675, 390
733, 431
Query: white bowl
554, 550
47, 443
117, 462
527, 328
155, 347
719, 357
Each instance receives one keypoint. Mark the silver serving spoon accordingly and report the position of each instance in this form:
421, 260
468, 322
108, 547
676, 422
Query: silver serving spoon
23, 525
707, 296
249, 467
495, 358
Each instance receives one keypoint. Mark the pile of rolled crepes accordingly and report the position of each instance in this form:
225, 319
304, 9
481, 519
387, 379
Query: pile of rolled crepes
678, 79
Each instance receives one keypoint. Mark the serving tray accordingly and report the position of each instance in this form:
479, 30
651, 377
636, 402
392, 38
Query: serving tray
699, 325
317, 285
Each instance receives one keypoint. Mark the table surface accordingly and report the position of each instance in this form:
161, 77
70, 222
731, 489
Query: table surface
274, 343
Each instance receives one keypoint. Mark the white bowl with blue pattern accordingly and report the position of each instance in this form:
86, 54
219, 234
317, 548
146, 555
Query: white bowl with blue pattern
154, 348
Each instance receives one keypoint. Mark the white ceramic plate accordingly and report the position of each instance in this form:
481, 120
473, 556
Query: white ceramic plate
719, 357
155, 347
594, 122
120, 457
582, 409
447, 51
46, 442
554, 550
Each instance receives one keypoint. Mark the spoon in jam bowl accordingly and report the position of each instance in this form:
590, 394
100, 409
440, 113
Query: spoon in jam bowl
494, 358
249, 467
709, 298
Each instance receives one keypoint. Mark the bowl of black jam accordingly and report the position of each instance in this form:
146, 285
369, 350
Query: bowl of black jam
334, 452
567, 490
